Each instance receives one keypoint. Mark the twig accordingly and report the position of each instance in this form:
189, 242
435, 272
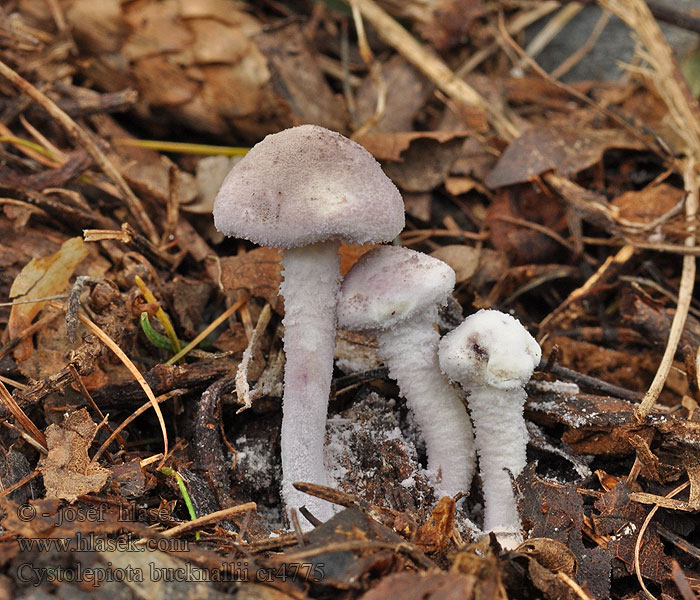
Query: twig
219, 515
18, 484
88, 397
681, 581
375, 71
578, 590
668, 81
520, 22
611, 264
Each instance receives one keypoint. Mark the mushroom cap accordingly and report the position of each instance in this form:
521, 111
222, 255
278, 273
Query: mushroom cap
390, 284
305, 185
489, 348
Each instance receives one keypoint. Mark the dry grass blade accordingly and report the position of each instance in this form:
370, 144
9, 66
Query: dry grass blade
685, 295
22, 417
18, 484
553, 28
211, 327
84, 139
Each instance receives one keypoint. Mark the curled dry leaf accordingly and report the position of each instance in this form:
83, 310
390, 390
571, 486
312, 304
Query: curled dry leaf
525, 244
463, 259
429, 586
647, 205
417, 161
41, 277
434, 535
551, 554
565, 149
406, 93
258, 271
67, 469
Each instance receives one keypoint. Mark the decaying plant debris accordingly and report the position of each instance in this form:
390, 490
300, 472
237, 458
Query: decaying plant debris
572, 206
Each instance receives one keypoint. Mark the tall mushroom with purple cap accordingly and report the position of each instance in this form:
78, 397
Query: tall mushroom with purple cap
306, 189
395, 293
493, 356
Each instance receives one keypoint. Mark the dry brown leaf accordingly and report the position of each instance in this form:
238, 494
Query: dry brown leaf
424, 586
459, 185
567, 150
67, 470
406, 93
463, 259
649, 203
41, 277
258, 272
435, 534
207, 65
522, 244
391, 146
555, 511
449, 21
350, 254
621, 519
551, 554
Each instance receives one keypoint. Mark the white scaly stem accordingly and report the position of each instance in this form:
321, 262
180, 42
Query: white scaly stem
410, 350
501, 443
310, 289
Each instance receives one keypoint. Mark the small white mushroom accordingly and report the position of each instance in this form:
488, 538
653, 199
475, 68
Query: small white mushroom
307, 189
395, 293
493, 356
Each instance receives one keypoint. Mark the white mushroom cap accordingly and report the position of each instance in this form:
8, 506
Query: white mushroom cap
305, 185
390, 284
490, 348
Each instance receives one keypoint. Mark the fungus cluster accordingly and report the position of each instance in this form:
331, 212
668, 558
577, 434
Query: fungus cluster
306, 189
395, 293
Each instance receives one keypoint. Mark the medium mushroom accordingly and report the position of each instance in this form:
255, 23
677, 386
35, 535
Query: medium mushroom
395, 293
306, 189
493, 356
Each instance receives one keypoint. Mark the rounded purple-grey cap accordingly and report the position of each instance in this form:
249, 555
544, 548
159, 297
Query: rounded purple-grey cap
390, 284
306, 185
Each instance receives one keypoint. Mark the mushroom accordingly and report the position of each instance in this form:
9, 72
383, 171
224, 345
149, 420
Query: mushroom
493, 356
306, 189
395, 293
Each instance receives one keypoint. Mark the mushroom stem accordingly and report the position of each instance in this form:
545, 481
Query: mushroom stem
310, 289
410, 350
498, 417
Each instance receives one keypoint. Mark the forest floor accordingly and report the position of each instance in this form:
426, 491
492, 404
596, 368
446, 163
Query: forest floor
132, 462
